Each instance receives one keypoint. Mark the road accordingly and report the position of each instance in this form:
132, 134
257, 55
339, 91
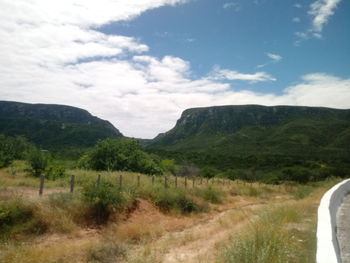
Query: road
343, 229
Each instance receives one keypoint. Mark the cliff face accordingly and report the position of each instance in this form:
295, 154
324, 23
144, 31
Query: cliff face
253, 129
52, 125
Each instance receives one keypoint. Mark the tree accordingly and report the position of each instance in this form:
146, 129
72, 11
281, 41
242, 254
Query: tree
120, 155
168, 165
208, 172
12, 148
38, 160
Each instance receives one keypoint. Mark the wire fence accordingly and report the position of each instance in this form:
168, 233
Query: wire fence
167, 181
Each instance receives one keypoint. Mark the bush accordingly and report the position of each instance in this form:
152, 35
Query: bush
55, 172
108, 251
175, 199
211, 194
12, 148
102, 200
38, 161
120, 155
208, 172
17, 217
297, 174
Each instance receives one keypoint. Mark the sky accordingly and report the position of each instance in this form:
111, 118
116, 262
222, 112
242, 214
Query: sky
140, 63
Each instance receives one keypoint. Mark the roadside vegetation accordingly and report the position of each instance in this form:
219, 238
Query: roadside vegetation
145, 209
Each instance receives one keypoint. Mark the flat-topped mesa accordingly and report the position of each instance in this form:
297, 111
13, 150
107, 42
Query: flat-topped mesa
247, 130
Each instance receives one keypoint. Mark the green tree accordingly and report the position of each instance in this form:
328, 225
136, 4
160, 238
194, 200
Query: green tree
208, 172
168, 165
120, 155
38, 161
12, 148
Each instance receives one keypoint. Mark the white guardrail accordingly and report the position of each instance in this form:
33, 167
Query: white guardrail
328, 250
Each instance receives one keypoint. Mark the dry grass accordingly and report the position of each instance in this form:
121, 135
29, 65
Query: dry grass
147, 235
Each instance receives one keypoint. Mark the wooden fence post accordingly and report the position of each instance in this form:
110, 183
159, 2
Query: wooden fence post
176, 181
193, 179
152, 179
185, 181
165, 181
138, 181
72, 182
121, 181
98, 180
41, 186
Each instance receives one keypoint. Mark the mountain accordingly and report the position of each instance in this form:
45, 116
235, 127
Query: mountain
54, 126
226, 136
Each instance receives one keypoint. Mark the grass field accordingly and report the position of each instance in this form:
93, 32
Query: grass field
145, 221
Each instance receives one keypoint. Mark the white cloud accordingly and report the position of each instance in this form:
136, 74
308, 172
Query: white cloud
298, 5
52, 52
320, 11
296, 19
226, 74
233, 5
274, 57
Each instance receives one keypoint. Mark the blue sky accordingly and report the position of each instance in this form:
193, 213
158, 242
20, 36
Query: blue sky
139, 64
239, 35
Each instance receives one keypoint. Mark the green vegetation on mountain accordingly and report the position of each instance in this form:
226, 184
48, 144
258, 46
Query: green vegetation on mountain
54, 127
256, 137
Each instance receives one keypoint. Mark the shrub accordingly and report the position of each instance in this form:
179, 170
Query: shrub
55, 172
208, 172
108, 251
175, 199
297, 174
12, 148
17, 217
102, 200
120, 155
211, 194
38, 161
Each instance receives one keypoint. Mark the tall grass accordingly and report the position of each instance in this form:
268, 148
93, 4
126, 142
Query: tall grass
279, 235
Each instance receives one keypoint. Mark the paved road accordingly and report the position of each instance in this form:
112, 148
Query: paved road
343, 229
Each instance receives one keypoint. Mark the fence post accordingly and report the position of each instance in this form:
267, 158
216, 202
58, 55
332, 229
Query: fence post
185, 181
98, 180
41, 186
138, 180
207, 180
72, 182
193, 179
152, 179
165, 181
176, 181
120, 181
201, 181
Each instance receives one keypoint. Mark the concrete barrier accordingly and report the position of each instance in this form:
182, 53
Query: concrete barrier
328, 250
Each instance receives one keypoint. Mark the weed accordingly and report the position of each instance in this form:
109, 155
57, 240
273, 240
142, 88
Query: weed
272, 238
302, 191
102, 200
211, 194
108, 251
175, 199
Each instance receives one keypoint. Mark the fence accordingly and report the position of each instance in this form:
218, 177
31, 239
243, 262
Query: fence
166, 181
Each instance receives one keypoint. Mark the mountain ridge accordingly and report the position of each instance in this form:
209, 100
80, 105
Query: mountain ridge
240, 131
53, 125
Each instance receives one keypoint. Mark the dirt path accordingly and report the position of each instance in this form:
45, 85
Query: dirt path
201, 240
